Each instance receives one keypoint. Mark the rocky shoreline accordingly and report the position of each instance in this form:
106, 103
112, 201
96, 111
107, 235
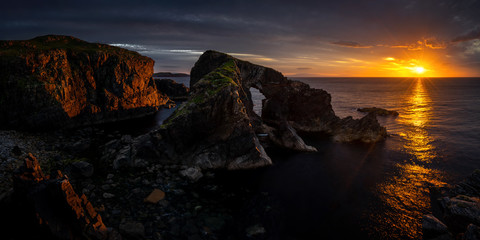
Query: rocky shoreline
185, 179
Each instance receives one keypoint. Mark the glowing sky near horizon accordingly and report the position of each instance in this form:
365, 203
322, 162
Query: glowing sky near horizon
391, 38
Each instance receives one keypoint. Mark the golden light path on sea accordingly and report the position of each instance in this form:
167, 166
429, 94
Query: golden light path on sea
406, 193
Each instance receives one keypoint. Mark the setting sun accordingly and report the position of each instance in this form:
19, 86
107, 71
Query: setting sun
419, 70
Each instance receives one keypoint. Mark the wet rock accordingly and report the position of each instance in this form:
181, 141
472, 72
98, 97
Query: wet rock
133, 230
378, 111
155, 196
432, 227
460, 211
193, 174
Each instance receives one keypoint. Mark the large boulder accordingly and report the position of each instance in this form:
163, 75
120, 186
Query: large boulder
53, 81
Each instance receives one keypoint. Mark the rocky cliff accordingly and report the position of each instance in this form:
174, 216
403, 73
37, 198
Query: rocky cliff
291, 103
217, 127
52, 81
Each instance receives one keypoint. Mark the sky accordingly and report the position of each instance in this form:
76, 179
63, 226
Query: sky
341, 38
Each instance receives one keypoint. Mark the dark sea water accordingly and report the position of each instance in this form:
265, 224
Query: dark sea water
381, 191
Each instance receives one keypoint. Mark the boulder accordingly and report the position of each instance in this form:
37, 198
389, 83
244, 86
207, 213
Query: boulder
61, 81
432, 227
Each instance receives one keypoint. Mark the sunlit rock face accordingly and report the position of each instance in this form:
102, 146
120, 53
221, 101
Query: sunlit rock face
55, 81
50, 208
291, 103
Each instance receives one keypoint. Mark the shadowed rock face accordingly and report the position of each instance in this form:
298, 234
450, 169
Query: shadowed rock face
213, 129
304, 108
55, 81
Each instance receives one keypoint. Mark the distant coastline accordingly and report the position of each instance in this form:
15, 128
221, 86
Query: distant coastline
169, 74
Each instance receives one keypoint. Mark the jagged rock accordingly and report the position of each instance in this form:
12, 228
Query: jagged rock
51, 203
212, 129
133, 230
378, 111
52, 81
460, 211
175, 91
193, 173
432, 227
285, 136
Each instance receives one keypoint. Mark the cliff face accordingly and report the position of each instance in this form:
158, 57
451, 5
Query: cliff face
55, 81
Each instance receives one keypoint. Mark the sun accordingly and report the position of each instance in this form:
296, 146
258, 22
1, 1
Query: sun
418, 69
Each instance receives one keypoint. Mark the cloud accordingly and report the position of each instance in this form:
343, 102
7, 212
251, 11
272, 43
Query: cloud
351, 44
304, 68
473, 34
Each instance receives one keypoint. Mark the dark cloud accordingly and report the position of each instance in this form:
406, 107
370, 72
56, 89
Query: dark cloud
303, 68
473, 34
273, 29
351, 44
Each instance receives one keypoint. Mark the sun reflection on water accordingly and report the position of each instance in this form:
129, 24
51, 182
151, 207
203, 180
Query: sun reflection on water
405, 195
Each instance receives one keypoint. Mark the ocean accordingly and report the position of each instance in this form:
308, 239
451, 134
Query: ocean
377, 191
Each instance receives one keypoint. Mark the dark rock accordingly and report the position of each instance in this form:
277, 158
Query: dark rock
472, 233
53, 81
53, 205
378, 111
432, 227
193, 173
82, 168
132, 230
17, 151
304, 108
460, 211
174, 90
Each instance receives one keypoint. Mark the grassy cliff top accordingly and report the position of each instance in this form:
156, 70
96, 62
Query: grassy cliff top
54, 42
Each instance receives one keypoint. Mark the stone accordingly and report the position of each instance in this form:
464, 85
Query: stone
193, 174
432, 227
108, 195
83, 169
133, 230
155, 196
472, 233
255, 230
